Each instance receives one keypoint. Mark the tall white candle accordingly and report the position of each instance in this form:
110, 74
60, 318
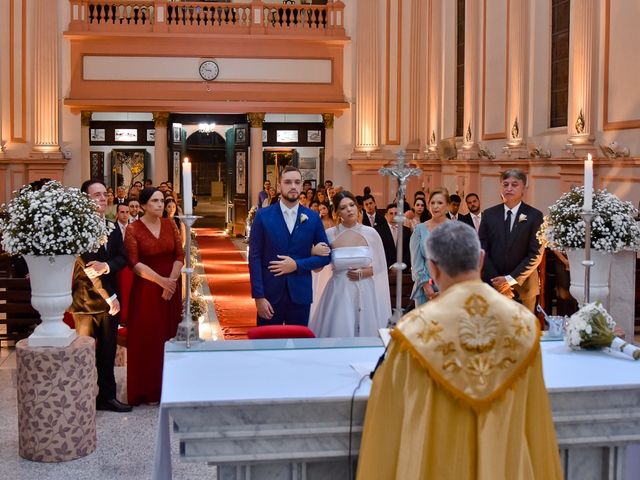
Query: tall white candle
186, 187
588, 183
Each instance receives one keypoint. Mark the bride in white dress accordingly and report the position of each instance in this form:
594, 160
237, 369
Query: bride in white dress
355, 301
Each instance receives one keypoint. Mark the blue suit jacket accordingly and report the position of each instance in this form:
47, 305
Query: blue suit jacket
269, 238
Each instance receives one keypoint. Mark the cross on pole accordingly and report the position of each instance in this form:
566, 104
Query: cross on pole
402, 173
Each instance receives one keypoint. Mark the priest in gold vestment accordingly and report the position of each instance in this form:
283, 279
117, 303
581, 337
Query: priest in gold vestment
460, 394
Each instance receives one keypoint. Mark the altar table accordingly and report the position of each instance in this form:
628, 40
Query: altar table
272, 409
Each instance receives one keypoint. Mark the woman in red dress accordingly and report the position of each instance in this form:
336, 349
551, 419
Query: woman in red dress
155, 253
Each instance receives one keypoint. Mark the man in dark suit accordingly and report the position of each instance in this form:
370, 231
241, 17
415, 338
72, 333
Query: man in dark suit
454, 206
280, 260
508, 237
371, 216
473, 204
95, 303
388, 231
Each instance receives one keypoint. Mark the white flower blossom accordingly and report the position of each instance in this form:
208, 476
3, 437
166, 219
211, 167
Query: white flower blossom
612, 229
51, 221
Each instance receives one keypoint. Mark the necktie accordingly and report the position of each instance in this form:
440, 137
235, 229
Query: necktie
372, 220
290, 219
507, 223
394, 232
476, 222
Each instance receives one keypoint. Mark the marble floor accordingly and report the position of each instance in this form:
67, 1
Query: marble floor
126, 442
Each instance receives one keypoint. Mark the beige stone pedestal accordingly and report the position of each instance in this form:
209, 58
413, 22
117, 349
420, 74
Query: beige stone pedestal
57, 388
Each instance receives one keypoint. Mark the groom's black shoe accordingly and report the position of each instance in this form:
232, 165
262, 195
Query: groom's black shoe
113, 405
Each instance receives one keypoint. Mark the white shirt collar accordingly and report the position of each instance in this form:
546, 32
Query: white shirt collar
514, 210
285, 209
478, 216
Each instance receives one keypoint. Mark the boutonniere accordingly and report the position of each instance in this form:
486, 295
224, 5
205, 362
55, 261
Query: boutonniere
522, 218
303, 218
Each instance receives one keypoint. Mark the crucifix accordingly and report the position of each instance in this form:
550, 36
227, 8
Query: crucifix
402, 173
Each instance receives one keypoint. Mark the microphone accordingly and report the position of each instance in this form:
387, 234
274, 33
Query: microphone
380, 360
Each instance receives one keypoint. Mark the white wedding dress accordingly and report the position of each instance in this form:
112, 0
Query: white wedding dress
348, 308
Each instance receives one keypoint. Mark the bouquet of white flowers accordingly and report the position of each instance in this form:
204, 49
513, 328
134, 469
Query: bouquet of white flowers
52, 221
613, 228
591, 328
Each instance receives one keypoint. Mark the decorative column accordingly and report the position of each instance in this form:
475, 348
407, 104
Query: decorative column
434, 95
518, 73
45, 79
85, 161
329, 167
417, 74
256, 167
472, 52
582, 73
160, 161
367, 77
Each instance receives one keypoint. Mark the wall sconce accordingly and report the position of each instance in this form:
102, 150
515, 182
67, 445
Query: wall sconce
538, 152
613, 150
484, 152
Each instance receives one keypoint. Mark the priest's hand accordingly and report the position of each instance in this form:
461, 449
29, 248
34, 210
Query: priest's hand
265, 310
283, 266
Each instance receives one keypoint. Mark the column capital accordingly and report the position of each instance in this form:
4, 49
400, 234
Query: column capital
85, 118
328, 119
161, 119
256, 119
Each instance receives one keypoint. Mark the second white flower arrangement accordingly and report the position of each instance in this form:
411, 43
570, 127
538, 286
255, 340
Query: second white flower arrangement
613, 228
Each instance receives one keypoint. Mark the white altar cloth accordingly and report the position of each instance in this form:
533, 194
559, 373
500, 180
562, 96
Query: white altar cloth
223, 373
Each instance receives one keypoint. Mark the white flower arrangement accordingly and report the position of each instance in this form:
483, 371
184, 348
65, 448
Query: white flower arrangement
53, 220
303, 218
613, 228
592, 328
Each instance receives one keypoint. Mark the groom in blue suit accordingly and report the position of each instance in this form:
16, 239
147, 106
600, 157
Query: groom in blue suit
280, 259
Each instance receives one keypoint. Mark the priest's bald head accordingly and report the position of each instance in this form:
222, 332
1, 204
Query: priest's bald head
454, 254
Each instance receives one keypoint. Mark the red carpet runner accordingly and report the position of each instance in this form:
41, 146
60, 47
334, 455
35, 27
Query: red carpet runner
227, 274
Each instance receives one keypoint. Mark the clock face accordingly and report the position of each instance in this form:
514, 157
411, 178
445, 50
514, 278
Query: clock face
209, 70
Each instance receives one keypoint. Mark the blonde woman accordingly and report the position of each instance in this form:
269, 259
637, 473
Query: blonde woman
423, 288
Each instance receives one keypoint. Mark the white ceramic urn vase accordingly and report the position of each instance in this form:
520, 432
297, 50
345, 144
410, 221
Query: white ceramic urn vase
598, 276
51, 279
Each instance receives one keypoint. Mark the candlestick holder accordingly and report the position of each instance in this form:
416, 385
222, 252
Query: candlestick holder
587, 216
187, 328
402, 173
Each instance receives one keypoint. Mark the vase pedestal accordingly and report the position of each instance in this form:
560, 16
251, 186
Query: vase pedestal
57, 390
613, 277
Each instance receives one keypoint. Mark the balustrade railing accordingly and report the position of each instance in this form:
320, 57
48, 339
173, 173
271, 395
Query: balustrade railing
164, 16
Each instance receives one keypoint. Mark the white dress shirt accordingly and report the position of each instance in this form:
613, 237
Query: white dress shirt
290, 215
512, 281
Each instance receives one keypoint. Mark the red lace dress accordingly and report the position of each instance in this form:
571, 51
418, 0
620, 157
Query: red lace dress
151, 320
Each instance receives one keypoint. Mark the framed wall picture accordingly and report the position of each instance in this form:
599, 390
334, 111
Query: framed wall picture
241, 168
97, 135
307, 163
265, 136
151, 135
177, 185
177, 132
126, 135
96, 164
241, 135
287, 136
314, 136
